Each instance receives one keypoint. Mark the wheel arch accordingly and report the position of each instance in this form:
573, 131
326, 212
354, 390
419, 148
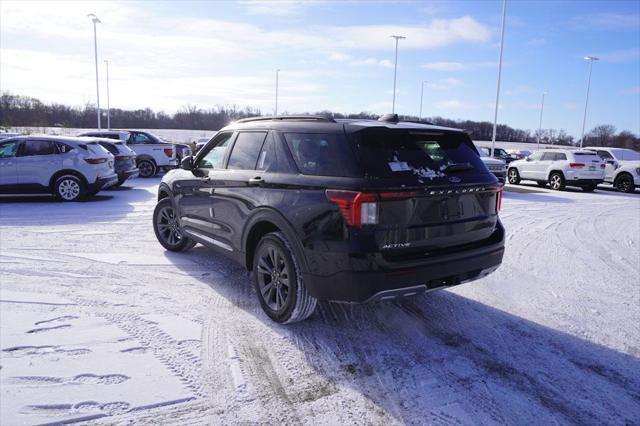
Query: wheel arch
262, 222
146, 157
57, 175
554, 171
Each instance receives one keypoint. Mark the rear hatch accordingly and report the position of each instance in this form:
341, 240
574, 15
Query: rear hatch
587, 165
429, 190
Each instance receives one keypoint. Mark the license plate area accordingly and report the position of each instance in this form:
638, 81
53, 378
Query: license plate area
451, 208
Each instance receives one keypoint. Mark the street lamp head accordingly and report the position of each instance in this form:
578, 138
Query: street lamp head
398, 37
94, 18
591, 58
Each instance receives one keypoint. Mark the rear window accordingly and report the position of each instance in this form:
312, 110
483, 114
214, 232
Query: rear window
109, 147
322, 154
95, 148
387, 153
586, 156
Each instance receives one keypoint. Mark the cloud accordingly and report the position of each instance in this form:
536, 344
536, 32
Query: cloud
620, 55
537, 41
339, 57
630, 91
457, 66
274, 7
451, 104
606, 21
445, 83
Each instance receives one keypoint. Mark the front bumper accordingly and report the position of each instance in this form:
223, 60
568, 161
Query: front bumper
411, 277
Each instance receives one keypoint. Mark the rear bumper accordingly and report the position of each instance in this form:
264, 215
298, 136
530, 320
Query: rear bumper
128, 174
103, 182
408, 278
584, 182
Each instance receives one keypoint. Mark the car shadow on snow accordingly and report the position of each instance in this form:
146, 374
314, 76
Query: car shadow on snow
433, 358
104, 206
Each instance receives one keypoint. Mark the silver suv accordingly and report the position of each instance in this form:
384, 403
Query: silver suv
68, 168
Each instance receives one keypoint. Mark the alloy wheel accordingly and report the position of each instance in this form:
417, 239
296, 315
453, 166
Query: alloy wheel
513, 176
146, 168
555, 182
273, 277
168, 227
624, 184
69, 189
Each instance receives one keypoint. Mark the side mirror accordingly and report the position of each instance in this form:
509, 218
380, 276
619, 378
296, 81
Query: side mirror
528, 158
612, 162
187, 163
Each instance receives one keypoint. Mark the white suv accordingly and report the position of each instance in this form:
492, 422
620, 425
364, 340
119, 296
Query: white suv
151, 154
622, 167
558, 168
69, 168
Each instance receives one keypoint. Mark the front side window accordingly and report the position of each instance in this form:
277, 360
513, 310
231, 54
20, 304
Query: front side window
214, 158
38, 147
8, 149
548, 156
246, 151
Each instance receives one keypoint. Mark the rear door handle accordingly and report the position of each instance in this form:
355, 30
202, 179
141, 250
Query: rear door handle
256, 181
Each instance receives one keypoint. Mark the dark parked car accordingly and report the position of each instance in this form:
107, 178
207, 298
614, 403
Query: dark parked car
500, 154
124, 158
344, 210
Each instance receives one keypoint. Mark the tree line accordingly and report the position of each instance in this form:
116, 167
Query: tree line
23, 111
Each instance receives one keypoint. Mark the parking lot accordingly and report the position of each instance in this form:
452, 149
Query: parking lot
100, 323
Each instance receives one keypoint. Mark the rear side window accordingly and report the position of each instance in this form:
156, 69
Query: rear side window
605, 155
38, 147
8, 149
267, 157
387, 153
246, 151
322, 154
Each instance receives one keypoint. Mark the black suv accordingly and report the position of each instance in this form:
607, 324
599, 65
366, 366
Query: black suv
340, 210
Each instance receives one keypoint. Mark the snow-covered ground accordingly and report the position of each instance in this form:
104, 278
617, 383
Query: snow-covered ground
98, 322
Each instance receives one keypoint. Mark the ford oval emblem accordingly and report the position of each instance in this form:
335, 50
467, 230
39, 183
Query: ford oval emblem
455, 179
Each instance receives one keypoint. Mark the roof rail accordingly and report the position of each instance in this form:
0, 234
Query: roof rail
287, 117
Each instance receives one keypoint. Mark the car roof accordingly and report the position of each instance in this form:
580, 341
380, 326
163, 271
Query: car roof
98, 139
328, 125
105, 132
52, 138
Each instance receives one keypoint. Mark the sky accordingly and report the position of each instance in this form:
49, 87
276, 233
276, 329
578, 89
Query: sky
336, 56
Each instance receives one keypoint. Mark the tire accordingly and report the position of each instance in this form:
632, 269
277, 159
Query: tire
589, 188
513, 177
167, 229
69, 188
147, 168
556, 181
278, 281
624, 183
541, 183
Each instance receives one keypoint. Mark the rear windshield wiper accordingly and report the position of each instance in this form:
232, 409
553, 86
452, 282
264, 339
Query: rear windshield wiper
457, 167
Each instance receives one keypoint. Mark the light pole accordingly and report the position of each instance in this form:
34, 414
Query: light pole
540, 123
421, 97
95, 20
108, 107
586, 102
495, 115
275, 111
395, 72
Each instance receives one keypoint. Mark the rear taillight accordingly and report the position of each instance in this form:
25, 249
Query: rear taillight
576, 165
122, 157
499, 201
361, 208
95, 160
168, 152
